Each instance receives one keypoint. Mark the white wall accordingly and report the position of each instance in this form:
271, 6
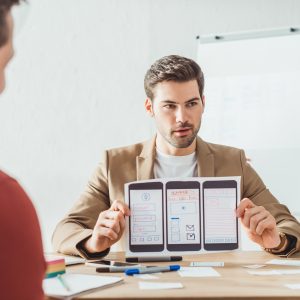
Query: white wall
75, 86
254, 104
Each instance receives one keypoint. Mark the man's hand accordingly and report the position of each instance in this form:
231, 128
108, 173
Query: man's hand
260, 224
109, 228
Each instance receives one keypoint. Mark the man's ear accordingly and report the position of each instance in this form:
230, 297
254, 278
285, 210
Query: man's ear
149, 107
203, 101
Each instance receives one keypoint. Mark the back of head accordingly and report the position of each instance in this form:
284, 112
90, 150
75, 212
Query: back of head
6, 30
5, 6
173, 68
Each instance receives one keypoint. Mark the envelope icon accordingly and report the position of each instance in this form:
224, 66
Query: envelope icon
190, 227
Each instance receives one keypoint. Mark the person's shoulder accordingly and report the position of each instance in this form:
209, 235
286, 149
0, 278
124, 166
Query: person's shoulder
130, 150
12, 194
10, 188
219, 149
6, 179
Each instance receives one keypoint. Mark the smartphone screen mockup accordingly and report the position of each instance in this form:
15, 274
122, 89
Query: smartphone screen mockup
220, 222
183, 215
146, 220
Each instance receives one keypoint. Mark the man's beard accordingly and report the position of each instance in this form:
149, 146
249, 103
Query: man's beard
185, 141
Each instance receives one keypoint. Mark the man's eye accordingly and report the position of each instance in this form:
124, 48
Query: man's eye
191, 104
170, 106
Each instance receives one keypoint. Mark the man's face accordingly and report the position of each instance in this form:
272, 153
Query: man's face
6, 52
177, 109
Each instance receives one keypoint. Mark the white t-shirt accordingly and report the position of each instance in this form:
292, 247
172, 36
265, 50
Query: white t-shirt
175, 166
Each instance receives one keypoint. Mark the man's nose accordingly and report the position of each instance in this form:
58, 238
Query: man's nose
181, 115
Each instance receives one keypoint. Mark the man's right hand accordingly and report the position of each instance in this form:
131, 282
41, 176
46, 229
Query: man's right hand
109, 228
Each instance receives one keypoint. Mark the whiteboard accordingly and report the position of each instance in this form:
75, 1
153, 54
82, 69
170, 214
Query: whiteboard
253, 102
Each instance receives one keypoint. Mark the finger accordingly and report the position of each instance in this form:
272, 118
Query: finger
256, 219
111, 214
112, 224
268, 223
121, 206
115, 216
122, 223
249, 213
245, 203
107, 232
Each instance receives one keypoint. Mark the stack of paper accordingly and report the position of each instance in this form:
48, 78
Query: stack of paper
74, 284
55, 266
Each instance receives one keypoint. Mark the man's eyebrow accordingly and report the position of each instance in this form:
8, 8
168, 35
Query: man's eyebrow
193, 99
174, 102
169, 101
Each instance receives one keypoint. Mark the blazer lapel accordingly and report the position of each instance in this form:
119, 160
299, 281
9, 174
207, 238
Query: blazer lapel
145, 161
206, 166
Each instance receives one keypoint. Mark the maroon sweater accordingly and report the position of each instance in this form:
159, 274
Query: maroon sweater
22, 264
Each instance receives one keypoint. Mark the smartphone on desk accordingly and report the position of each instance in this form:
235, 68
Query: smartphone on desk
111, 263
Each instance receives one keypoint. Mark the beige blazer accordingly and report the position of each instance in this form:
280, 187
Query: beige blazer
121, 165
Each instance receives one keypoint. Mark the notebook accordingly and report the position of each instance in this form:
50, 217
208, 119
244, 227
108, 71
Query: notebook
77, 284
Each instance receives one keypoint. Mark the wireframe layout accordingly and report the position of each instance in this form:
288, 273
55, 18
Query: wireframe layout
146, 221
220, 223
185, 215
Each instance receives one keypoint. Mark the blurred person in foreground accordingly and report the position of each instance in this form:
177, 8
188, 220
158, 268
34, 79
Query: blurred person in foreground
21, 252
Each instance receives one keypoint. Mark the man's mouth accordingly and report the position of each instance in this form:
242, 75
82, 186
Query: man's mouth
181, 132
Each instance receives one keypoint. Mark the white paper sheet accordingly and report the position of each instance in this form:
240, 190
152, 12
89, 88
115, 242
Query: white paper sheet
253, 266
146, 276
293, 286
166, 218
275, 272
159, 285
77, 283
198, 272
284, 262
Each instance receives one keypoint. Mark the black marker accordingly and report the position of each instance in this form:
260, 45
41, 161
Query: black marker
112, 269
153, 258
119, 269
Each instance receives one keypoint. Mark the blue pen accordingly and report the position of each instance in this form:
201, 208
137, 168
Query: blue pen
152, 270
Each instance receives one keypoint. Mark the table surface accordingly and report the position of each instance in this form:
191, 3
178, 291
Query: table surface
234, 283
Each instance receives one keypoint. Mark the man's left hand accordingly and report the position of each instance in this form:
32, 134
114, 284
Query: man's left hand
259, 223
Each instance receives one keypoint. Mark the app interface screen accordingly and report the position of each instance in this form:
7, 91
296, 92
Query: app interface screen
220, 224
183, 216
146, 219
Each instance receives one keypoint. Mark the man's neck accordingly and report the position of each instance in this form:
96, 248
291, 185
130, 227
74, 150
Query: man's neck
166, 148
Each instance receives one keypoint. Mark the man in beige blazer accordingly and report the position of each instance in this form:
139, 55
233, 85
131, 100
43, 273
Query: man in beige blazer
175, 100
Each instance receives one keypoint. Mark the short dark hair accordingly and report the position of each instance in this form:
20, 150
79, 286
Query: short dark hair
5, 6
173, 68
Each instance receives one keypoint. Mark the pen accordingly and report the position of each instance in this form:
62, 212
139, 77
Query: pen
112, 269
63, 282
144, 270
117, 269
153, 258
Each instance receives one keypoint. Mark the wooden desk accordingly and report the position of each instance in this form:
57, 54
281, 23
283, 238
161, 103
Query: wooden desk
234, 282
